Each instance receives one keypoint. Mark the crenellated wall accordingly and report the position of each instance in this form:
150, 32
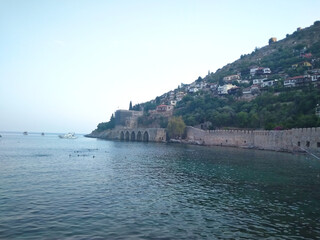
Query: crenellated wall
286, 140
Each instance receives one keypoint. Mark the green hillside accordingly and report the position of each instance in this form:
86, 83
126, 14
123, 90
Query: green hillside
274, 87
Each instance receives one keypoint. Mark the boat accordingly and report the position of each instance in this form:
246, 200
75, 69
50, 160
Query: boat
68, 136
42, 134
25, 133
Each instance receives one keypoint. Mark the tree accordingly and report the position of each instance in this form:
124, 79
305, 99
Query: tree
130, 106
106, 125
176, 127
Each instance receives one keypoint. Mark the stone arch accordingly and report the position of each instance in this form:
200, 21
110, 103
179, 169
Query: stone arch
139, 136
121, 136
127, 136
146, 136
133, 136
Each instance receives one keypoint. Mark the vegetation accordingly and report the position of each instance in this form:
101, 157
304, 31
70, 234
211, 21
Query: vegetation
176, 127
288, 109
274, 107
106, 125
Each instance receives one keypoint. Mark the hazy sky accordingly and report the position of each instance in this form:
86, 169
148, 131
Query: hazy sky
68, 65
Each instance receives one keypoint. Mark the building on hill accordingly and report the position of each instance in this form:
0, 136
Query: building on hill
223, 90
164, 108
173, 102
297, 81
262, 71
268, 83
259, 71
272, 40
179, 96
127, 118
231, 78
315, 77
259, 81
193, 90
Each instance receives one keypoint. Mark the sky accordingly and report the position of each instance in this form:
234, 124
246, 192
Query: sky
67, 65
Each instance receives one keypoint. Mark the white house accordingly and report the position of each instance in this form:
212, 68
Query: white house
179, 96
259, 71
253, 70
315, 77
268, 83
193, 90
289, 82
259, 81
224, 89
231, 78
244, 81
173, 102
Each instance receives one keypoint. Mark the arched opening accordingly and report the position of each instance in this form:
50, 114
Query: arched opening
145, 136
127, 136
139, 136
121, 136
133, 136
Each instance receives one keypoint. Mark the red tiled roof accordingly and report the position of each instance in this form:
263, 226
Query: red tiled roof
296, 77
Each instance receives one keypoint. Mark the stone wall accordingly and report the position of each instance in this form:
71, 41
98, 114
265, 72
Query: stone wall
127, 118
132, 134
288, 140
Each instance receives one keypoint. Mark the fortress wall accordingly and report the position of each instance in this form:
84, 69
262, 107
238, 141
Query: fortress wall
287, 140
154, 134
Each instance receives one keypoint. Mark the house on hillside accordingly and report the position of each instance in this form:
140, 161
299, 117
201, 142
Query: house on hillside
171, 95
231, 78
234, 90
315, 77
244, 81
259, 71
164, 108
253, 70
297, 81
259, 81
306, 64
223, 90
173, 102
306, 55
262, 71
179, 96
246, 91
268, 83
289, 82
193, 90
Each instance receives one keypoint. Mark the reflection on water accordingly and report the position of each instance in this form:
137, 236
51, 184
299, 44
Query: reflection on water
87, 188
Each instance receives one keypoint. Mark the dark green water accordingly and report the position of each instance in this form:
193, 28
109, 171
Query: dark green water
53, 188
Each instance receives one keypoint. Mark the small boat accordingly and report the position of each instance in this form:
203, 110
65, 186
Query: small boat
68, 136
42, 134
25, 133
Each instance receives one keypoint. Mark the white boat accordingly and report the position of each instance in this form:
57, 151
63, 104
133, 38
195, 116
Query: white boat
68, 136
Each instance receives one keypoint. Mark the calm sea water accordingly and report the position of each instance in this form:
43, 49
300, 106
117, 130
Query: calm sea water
84, 188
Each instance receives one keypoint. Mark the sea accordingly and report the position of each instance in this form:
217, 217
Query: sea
84, 188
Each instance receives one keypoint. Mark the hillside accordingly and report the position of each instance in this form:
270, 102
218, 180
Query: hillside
274, 87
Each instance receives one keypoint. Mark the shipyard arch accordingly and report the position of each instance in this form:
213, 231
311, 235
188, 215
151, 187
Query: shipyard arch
146, 136
139, 136
121, 136
127, 136
133, 136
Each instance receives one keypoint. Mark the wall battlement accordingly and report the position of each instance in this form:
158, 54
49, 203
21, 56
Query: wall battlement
286, 140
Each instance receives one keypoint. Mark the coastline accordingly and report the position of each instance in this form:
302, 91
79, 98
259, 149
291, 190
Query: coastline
302, 140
